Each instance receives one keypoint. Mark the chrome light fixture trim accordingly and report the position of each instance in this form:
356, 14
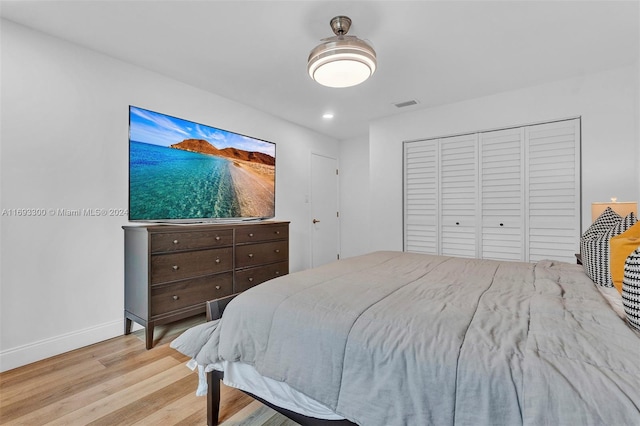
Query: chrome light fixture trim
341, 61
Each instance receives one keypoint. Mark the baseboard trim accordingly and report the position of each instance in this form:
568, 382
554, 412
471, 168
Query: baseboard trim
46, 348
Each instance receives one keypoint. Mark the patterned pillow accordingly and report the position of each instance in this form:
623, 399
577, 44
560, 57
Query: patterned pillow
620, 247
606, 220
631, 289
597, 252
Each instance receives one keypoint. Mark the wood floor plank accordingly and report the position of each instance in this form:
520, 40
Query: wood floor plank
150, 404
115, 382
126, 396
27, 389
197, 418
78, 400
257, 414
231, 401
178, 411
71, 384
252, 412
67, 359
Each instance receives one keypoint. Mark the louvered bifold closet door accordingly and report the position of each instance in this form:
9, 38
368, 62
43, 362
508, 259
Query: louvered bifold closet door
502, 195
458, 195
421, 196
554, 190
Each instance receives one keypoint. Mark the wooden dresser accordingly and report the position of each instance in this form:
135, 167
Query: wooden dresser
172, 270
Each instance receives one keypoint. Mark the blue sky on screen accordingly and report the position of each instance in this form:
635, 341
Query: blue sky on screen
159, 129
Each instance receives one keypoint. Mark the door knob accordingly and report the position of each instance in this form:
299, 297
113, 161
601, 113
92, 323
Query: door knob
315, 221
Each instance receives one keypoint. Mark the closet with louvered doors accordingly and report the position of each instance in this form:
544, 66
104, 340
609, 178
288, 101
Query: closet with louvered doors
508, 194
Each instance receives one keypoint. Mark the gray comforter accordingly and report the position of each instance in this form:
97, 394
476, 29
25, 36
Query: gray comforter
394, 338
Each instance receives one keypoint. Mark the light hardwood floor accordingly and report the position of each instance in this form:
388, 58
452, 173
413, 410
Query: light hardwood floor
115, 382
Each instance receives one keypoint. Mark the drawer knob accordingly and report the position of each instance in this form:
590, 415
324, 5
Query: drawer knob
277, 232
457, 223
217, 238
250, 255
217, 260
277, 272
251, 234
175, 241
176, 297
502, 224
175, 267
277, 250
217, 287
250, 279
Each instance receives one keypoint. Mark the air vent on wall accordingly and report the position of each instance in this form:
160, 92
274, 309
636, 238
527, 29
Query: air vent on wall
405, 103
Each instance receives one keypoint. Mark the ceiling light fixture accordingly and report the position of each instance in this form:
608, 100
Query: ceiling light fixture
341, 61
327, 115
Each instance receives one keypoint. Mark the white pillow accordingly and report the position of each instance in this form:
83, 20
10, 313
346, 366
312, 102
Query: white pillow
614, 298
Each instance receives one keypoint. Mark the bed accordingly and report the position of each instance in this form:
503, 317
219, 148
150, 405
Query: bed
395, 338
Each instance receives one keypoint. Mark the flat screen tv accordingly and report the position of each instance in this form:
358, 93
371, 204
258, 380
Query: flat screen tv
182, 172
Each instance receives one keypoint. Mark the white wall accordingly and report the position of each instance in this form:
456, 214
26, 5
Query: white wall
606, 101
64, 135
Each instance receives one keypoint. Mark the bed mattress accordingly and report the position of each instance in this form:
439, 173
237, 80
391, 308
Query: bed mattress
401, 338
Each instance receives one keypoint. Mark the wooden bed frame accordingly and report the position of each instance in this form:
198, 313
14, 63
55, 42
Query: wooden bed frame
215, 308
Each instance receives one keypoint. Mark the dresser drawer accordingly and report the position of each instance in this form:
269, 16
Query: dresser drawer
257, 254
262, 233
190, 292
173, 241
177, 266
247, 278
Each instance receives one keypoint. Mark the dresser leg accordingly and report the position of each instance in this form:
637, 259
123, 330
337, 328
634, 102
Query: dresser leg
127, 326
148, 335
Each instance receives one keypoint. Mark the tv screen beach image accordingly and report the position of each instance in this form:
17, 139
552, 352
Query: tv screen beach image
181, 170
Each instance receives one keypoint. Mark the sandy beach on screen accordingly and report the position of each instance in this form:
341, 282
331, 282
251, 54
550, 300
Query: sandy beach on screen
254, 186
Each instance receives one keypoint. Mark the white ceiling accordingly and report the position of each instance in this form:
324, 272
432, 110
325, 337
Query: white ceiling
435, 52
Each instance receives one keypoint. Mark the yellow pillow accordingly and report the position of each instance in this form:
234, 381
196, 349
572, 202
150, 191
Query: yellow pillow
621, 246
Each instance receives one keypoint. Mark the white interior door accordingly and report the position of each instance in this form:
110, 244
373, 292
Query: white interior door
458, 195
421, 195
324, 219
553, 192
502, 177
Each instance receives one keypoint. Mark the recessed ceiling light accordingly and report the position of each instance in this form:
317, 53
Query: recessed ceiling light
327, 115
